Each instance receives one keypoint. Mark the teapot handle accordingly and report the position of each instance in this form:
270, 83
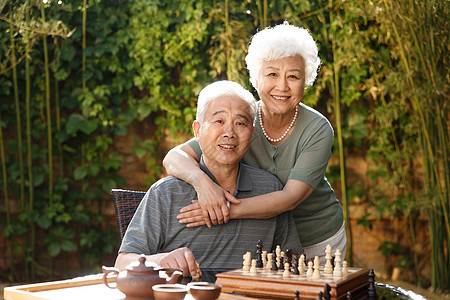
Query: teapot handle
106, 271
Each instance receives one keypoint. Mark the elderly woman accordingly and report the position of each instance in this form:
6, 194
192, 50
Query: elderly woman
291, 140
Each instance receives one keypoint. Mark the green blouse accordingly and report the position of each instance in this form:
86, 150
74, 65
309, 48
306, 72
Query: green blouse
303, 156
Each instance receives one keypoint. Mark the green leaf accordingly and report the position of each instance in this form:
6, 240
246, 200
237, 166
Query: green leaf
54, 248
68, 246
80, 172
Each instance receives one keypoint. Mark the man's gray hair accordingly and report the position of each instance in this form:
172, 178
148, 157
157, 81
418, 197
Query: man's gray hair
223, 88
282, 41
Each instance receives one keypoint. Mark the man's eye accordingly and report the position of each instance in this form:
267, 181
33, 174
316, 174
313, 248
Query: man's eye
293, 76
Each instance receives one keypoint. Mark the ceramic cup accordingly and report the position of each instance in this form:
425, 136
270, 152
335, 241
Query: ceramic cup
169, 291
204, 290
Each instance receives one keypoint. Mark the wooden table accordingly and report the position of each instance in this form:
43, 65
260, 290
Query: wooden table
86, 288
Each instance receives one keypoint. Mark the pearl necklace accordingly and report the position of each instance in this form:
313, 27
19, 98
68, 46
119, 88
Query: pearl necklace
284, 134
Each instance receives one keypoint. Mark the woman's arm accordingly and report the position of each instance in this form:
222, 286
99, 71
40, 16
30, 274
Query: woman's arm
259, 207
182, 162
272, 204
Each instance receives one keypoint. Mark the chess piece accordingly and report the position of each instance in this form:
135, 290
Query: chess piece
320, 295
278, 250
259, 246
349, 295
301, 264
264, 258
309, 273
297, 295
288, 257
344, 267
316, 273
269, 261
372, 293
287, 272
253, 269
328, 269
295, 269
281, 261
337, 272
274, 261
247, 261
326, 292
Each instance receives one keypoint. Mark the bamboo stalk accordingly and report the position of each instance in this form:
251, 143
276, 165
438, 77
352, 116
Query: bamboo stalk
48, 113
5, 195
30, 207
337, 112
18, 118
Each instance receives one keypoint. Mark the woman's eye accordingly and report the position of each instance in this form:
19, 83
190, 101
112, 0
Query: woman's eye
271, 74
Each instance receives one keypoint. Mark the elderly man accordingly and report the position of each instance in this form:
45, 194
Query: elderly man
223, 128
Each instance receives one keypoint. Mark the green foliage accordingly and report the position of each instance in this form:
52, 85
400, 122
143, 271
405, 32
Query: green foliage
147, 61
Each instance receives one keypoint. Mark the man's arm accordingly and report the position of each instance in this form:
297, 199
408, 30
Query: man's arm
181, 258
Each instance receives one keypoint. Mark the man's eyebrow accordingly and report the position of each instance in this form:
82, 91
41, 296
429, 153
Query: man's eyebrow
218, 112
244, 117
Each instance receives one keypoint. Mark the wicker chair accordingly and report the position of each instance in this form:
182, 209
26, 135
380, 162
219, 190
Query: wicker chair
125, 204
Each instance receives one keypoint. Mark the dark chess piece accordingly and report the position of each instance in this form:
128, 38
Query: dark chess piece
274, 261
297, 295
294, 268
326, 292
281, 264
288, 257
259, 262
320, 296
372, 293
349, 295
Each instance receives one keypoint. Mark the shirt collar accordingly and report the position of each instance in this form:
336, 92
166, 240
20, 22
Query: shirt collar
244, 184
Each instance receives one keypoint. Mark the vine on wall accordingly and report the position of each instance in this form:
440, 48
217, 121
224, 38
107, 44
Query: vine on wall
75, 74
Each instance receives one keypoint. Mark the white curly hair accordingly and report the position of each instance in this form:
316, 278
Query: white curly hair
280, 41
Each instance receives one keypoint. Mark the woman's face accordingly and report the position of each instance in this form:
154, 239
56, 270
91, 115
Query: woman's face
281, 83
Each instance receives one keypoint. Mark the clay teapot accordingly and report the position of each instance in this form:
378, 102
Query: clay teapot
137, 281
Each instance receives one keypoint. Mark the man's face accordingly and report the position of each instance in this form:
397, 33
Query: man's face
226, 132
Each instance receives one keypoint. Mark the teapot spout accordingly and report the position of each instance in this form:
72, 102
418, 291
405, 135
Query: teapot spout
172, 275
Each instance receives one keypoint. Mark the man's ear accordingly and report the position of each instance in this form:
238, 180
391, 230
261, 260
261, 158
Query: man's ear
196, 127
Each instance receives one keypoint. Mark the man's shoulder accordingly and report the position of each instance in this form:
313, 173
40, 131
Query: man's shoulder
169, 183
261, 176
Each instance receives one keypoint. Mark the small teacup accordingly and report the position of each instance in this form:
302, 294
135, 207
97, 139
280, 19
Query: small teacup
204, 290
169, 291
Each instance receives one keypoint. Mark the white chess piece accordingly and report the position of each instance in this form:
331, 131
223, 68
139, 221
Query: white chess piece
247, 261
264, 258
269, 260
287, 271
337, 272
309, 273
253, 269
344, 268
316, 273
328, 269
301, 264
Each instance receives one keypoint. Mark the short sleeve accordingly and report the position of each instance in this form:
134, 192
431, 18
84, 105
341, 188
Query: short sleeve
314, 154
193, 143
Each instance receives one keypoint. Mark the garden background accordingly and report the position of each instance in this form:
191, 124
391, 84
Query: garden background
93, 93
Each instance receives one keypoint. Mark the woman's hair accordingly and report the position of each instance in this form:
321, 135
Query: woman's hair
223, 88
282, 41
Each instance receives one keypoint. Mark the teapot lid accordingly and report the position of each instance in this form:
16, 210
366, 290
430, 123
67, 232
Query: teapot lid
141, 265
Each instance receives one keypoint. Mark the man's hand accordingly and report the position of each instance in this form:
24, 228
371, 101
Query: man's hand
213, 203
181, 258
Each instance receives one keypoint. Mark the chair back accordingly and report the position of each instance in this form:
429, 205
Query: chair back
125, 205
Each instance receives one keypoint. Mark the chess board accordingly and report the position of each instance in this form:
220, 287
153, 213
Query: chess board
272, 284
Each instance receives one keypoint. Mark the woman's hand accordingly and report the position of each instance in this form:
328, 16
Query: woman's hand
212, 203
191, 215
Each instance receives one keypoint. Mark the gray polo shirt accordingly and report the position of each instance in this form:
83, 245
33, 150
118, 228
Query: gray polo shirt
155, 228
